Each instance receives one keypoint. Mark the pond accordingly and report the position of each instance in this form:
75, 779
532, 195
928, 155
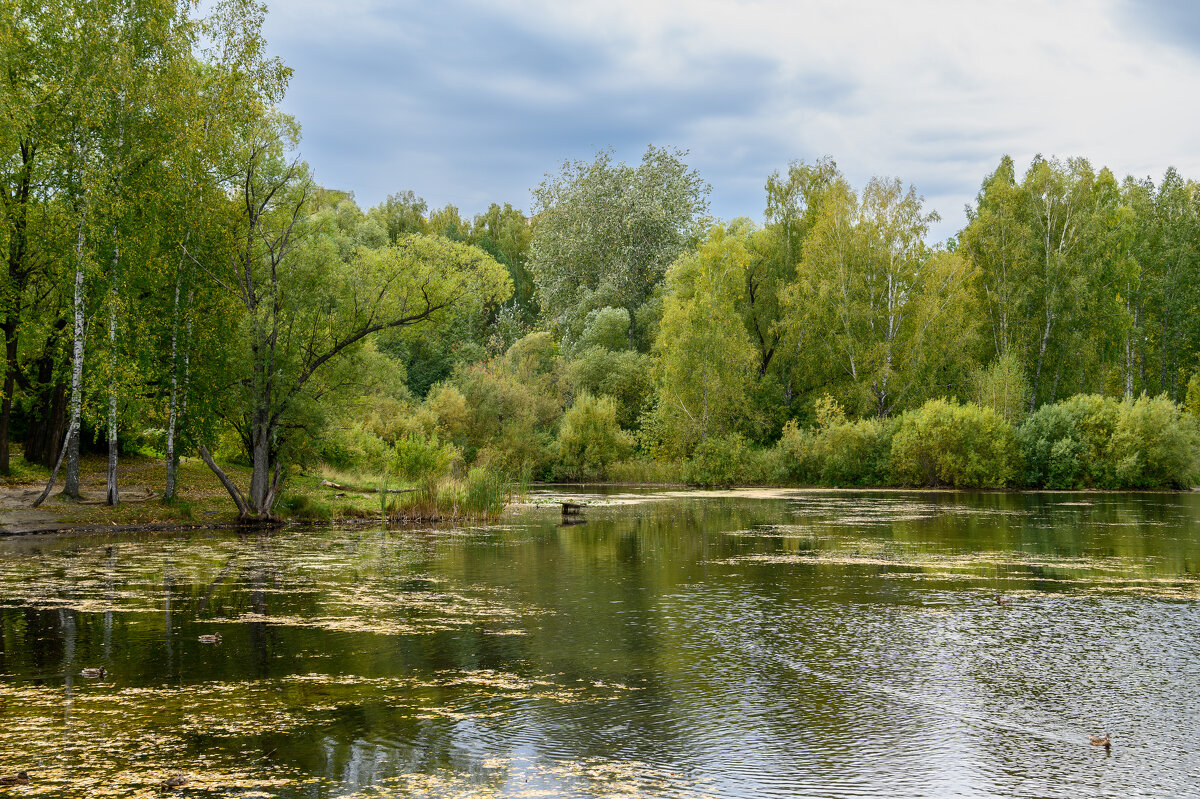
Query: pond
675, 644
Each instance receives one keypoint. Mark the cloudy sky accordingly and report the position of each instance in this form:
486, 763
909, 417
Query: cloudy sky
473, 101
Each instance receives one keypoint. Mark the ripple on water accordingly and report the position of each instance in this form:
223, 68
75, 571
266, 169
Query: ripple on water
718, 645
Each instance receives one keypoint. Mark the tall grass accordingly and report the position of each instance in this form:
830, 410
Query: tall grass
480, 496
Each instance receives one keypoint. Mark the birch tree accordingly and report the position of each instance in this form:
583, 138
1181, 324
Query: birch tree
869, 296
996, 239
232, 84
1059, 199
36, 49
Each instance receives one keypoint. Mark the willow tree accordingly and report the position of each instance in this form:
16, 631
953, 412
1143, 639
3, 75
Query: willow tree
606, 232
793, 204
302, 306
707, 361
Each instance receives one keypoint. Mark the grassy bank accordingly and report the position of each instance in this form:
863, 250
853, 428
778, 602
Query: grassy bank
308, 496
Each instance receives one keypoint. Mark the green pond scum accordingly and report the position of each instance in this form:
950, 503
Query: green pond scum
673, 644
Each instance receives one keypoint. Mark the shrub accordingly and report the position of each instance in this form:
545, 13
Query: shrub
768, 466
419, 458
1155, 444
797, 453
720, 461
590, 438
509, 407
1098, 442
1068, 444
644, 469
1004, 388
855, 453
837, 451
607, 328
946, 444
626, 376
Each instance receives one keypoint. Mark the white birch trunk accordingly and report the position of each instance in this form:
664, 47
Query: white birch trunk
172, 412
113, 495
71, 480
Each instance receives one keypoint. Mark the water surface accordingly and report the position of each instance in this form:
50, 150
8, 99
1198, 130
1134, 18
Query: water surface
723, 644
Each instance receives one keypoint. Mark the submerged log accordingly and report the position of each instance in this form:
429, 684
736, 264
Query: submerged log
571, 508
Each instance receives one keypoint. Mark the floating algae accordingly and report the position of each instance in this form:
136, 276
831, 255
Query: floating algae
713, 645
124, 741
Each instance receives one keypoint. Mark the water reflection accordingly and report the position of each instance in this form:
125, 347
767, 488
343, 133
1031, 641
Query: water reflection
808, 643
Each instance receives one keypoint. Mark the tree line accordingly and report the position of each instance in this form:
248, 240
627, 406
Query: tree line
245, 312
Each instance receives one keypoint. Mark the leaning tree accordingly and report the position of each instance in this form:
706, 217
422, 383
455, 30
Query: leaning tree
301, 306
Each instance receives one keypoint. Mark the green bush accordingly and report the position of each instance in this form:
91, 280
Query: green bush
419, 458
1155, 444
1068, 444
590, 439
644, 469
1090, 441
768, 466
607, 328
946, 444
797, 454
855, 453
627, 376
1004, 388
836, 452
721, 461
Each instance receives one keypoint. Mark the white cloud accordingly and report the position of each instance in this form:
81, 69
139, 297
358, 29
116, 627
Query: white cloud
932, 92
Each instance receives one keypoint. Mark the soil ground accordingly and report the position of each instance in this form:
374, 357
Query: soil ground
201, 501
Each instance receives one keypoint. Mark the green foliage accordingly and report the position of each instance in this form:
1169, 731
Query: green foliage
503, 412
607, 328
1002, 387
484, 494
532, 356
1067, 445
505, 233
245, 305
626, 376
1192, 398
1090, 441
646, 470
305, 508
606, 232
590, 438
401, 214
720, 461
796, 452
882, 318
1155, 444
733, 460
419, 458
837, 451
946, 444
706, 357
854, 453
